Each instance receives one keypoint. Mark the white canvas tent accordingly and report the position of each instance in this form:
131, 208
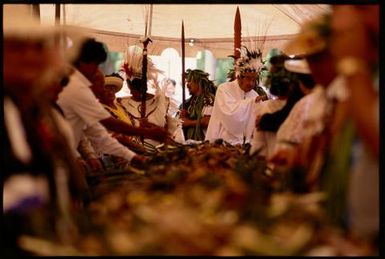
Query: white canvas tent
210, 26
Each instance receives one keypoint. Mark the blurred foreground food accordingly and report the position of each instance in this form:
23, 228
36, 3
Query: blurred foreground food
200, 199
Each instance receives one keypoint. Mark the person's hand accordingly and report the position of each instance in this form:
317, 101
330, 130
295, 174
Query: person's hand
85, 166
257, 120
82, 164
130, 143
119, 162
183, 114
139, 161
156, 133
137, 148
187, 122
95, 164
144, 123
152, 131
285, 157
258, 99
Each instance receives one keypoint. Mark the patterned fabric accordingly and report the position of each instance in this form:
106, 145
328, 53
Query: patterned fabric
155, 112
261, 92
195, 108
299, 124
118, 112
264, 141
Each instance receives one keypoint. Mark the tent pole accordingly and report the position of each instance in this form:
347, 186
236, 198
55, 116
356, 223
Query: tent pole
57, 14
150, 21
36, 11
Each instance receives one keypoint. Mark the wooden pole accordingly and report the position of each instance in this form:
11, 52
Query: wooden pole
183, 67
144, 81
150, 21
237, 34
144, 78
57, 14
36, 11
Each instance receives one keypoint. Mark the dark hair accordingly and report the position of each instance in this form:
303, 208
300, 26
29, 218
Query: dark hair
280, 86
173, 81
281, 80
135, 84
272, 121
307, 80
92, 51
64, 81
278, 60
202, 79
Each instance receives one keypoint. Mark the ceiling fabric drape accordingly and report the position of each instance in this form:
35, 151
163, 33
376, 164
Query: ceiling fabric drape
210, 26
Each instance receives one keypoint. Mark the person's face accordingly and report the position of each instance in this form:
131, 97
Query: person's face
88, 69
109, 93
193, 87
170, 90
97, 86
322, 67
247, 81
136, 94
29, 66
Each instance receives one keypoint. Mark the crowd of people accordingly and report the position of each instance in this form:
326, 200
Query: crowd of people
319, 119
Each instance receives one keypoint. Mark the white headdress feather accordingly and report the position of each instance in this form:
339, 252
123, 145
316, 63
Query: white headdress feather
133, 62
249, 61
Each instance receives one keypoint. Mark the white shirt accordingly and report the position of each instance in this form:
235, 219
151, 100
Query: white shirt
84, 112
16, 131
156, 113
104, 143
80, 106
66, 129
265, 140
233, 114
301, 121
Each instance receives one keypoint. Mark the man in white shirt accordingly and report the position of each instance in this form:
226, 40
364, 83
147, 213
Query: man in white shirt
84, 112
233, 115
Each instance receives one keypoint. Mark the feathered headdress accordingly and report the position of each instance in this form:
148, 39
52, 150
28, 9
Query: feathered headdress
132, 65
249, 61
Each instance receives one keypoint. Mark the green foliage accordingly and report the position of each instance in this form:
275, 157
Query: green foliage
201, 61
223, 68
202, 79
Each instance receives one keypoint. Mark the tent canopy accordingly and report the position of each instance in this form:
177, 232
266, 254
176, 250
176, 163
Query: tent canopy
210, 26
